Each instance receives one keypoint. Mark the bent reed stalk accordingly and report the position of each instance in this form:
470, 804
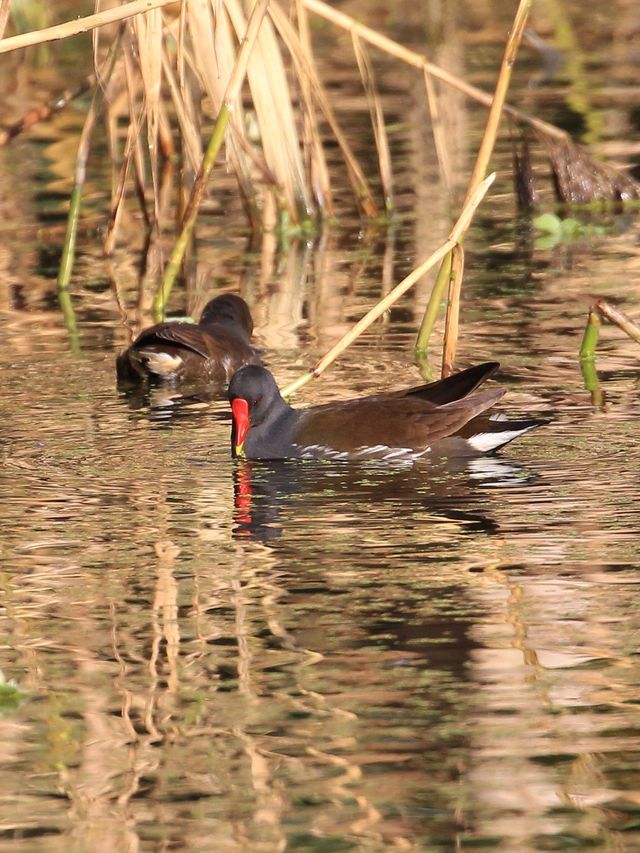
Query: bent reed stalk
485, 151
456, 235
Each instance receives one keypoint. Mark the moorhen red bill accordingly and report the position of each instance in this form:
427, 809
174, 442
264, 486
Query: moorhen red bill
209, 351
442, 418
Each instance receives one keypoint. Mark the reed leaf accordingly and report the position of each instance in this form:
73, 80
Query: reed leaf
214, 56
148, 35
272, 102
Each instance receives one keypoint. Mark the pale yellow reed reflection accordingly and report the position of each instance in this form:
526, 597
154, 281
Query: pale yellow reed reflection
532, 651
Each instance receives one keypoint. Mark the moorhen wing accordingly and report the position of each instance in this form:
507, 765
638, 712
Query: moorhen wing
442, 418
209, 351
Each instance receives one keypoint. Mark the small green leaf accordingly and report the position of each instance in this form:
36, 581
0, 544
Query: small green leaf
549, 222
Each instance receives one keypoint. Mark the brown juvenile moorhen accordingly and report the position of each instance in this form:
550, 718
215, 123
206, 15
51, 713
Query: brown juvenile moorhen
439, 418
211, 350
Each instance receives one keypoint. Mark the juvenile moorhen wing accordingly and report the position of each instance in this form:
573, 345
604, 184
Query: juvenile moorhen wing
209, 351
442, 418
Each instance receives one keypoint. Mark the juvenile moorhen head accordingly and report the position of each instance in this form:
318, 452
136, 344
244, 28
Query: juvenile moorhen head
442, 418
209, 351
229, 310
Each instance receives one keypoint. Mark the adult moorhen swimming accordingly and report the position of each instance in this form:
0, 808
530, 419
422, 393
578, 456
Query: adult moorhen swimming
440, 418
211, 350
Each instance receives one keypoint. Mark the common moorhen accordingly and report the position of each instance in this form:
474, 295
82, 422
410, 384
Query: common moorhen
211, 350
440, 418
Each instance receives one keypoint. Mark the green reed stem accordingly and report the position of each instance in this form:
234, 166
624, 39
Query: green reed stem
590, 337
433, 306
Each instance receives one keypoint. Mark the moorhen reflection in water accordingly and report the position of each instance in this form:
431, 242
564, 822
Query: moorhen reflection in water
270, 495
443, 418
177, 353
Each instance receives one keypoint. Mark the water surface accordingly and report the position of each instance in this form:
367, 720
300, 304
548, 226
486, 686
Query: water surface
212, 655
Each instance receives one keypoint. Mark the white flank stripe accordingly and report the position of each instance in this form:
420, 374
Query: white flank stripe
376, 451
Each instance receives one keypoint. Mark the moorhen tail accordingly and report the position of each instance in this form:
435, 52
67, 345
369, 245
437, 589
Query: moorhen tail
442, 418
209, 351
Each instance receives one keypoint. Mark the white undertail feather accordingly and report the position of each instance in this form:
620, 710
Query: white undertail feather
485, 442
161, 362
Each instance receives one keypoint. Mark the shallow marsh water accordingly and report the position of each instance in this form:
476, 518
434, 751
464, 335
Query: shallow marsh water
221, 656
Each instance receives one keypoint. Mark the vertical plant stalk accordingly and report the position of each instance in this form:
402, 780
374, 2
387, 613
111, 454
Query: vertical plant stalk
208, 161
312, 142
453, 311
601, 309
437, 129
590, 337
482, 162
109, 242
4, 15
79, 175
399, 290
80, 172
433, 307
495, 112
377, 119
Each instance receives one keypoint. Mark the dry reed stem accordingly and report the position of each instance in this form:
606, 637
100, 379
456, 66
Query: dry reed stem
401, 288
191, 144
4, 15
43, 112
393, 48
109, 242
498, 101
316, 162
134, 118
377, 119
453, 311
81, 25
438, 131
615, 315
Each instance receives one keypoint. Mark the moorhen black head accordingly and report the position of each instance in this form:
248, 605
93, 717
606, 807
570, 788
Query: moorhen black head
441, 418
209, 351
